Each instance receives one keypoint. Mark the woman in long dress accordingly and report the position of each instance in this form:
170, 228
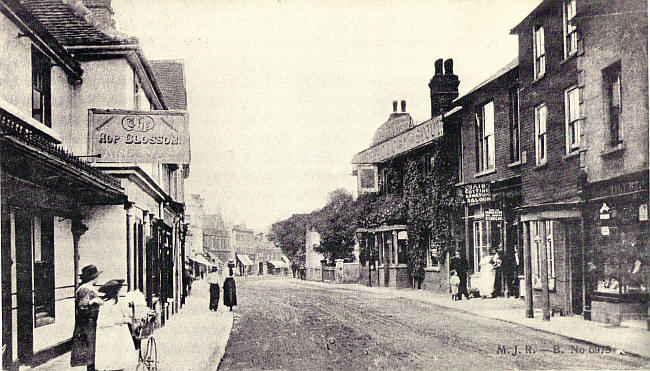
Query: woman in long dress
87, 302
213, 280
486, 280
115, 349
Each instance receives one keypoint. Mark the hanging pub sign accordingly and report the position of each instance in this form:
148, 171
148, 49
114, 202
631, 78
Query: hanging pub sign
139, 136
493, 215
477, 193
367, 181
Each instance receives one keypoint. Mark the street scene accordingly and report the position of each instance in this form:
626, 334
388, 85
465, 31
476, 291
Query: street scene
279, 184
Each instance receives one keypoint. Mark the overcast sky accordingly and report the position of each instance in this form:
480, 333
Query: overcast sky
282, 93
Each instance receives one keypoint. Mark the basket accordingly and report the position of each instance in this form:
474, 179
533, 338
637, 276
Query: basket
143, 328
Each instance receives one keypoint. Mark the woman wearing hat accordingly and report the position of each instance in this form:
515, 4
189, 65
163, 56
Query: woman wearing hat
87, 304
115, 349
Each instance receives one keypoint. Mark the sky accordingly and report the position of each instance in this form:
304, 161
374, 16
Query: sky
282, 93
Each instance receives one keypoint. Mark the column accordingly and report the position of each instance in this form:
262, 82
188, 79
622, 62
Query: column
546, 304
528, 278
395, 247
77, 230
129, 246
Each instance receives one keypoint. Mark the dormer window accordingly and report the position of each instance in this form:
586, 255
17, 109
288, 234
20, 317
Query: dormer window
539, 51
41, 96
570, 29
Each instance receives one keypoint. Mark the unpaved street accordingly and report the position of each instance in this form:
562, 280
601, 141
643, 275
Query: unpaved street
286, 323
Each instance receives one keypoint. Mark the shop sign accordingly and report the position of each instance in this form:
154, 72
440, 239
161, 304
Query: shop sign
139, 136
367, 181
477, 193
604, 230
493, 215
413, 138
643, 212
604, 212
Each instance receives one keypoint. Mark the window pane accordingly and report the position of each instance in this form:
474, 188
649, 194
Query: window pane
490, 152
488, 114
616, 92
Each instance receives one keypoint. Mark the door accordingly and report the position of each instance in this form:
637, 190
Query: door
7, 262
23, 223
573, 242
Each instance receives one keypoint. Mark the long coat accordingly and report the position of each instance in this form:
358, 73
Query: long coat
229, 292
85, 327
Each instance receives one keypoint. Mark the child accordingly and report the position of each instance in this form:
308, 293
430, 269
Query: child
454, 282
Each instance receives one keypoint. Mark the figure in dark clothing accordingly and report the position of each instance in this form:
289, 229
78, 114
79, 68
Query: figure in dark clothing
87, 302
213, 281
459, 264
229, 292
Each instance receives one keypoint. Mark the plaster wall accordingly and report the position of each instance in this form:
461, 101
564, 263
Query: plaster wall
104, 244
15, 52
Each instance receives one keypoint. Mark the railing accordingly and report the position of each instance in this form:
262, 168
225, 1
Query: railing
14, 127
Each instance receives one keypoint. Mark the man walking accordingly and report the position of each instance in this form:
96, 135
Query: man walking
459, 264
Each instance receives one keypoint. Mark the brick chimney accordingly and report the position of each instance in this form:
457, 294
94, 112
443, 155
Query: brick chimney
443, 87
102, 12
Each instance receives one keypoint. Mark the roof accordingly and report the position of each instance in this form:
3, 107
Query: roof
397, 123
539, 8
170, 75
71, 23
502, 71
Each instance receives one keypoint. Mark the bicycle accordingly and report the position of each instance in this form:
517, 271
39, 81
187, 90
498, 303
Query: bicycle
143, 330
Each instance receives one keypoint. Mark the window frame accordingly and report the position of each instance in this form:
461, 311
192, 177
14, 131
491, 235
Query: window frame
536, 254
478, 230
514, 125
41, 84
539, 58
572, 125
570, 31
540, 160
612, 75
486, 142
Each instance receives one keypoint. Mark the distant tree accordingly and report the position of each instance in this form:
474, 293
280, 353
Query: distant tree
336, 223
289, 235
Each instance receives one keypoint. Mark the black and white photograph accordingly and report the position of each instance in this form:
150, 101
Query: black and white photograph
324, 185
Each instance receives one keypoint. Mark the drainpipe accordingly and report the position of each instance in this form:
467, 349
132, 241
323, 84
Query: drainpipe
546, 305
528, 278
129, 247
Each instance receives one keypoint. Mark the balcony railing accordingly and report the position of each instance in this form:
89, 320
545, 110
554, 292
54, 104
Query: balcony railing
14, 127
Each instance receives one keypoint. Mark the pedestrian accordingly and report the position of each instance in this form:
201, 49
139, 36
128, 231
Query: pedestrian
213, 280
459, 264
87, 302
229, 290
454, 282
487, 275
115, 349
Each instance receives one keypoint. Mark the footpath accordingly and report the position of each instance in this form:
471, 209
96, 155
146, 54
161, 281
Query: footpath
193, 339
632, 340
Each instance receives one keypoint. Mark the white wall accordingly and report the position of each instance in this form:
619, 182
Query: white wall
104, 244
16, 82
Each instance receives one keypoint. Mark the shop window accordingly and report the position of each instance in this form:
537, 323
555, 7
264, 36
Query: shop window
570, 29
480, 244
620, 266
539, 52
540, 134
613, 95
432, 253
537, 243
572, 119
43, 248
41, 89
402, 255
485, 137
514, 124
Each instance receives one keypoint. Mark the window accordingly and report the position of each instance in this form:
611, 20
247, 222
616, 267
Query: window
41, 96
613, 96
432, 252
460, 155
479, 244
43, 249
485, 137
514, 124
539, 52
540, 134
572, 119
537, 244
570, 30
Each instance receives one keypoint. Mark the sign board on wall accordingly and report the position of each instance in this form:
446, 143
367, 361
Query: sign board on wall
367, 180
493, 215
477, 193
139, 136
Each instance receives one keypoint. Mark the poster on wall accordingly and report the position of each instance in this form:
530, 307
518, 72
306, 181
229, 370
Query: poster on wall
139, 136
367, 181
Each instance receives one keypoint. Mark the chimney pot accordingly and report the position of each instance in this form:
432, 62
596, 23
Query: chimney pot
449, 67
438, 66
403, 106
394, 106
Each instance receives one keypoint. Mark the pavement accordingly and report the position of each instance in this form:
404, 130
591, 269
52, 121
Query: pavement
629, 339
192, 339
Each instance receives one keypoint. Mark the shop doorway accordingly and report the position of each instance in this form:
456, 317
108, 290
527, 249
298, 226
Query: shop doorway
576, 270
261, 268
23, 240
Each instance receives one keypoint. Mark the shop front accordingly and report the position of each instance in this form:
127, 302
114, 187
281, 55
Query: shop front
616, 213
388, 263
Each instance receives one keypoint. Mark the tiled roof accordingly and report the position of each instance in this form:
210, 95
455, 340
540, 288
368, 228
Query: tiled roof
71, 23
170, 76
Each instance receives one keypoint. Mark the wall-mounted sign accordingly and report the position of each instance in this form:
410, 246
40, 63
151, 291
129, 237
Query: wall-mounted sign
367, 181
412, 138
493, 215
477, 193
139, 136
604, 230
604, 212
643, 212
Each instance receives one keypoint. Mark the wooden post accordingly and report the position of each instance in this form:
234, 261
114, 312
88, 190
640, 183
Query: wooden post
77, 230
546, 305
467, 247
528, 278
129, 246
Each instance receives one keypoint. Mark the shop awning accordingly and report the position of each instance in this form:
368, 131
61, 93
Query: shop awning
201, 260
244, 259
278, 264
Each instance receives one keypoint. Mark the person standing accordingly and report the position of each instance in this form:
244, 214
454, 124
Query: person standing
87, 304
229, 290
454, 282
115, 349
213, 280
459, 264
487, 275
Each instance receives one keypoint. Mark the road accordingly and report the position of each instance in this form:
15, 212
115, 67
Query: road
289, 324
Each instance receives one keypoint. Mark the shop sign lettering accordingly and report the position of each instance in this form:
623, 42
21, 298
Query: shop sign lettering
604, 230
477, 193
139, 136
493, 215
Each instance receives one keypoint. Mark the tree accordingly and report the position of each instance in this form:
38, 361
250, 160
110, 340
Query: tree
289, 235
336, 223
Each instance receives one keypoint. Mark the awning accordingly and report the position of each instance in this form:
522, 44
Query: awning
201, 260
244, 259
278, 264
286, 260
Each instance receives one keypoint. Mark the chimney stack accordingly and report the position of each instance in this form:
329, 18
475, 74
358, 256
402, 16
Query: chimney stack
102, 12
443, 87
403, 106
394, 106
